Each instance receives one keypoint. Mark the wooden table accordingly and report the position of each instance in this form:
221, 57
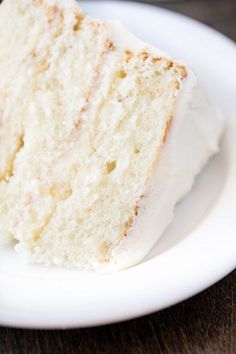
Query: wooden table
203, 324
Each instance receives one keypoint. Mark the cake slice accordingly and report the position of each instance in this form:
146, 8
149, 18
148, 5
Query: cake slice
101, 135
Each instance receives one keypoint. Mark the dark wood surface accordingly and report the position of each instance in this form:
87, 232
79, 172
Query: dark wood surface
204, 324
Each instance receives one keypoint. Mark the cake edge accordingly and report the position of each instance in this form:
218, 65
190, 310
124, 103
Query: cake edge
194, 115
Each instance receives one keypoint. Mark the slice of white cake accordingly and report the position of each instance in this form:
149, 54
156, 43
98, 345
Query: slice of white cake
100, 136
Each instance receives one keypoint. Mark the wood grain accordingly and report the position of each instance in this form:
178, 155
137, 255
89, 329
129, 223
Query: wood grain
205, 324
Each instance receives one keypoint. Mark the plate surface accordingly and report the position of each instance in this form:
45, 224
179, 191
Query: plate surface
199, 247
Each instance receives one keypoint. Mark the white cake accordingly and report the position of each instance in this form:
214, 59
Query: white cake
101, 135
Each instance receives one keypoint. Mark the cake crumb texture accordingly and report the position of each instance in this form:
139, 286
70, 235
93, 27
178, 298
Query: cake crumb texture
82, 126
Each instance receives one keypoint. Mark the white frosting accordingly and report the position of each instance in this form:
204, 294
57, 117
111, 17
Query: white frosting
193, 138
124, 39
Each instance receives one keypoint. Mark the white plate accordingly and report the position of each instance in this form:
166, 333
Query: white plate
198, 249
